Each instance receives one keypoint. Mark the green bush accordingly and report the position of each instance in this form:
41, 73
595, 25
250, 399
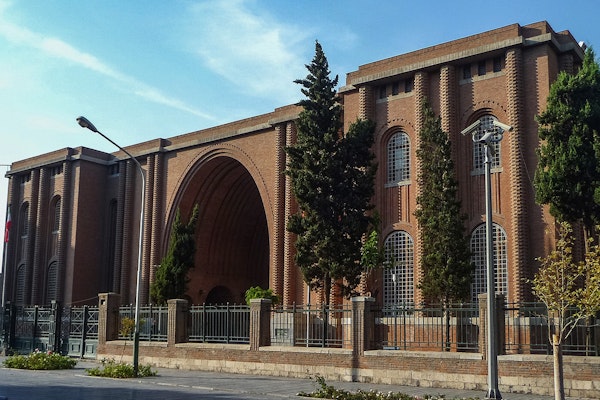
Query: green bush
112, 369
326, 391
40, 360
256, 292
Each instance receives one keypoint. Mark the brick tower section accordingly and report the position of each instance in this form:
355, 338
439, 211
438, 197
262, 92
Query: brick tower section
365, 105
279, 215
127, 229
121, 274
289, 266
518, 181
37, 284
157, 214
146, 239
32, 235
63, 232
421, 95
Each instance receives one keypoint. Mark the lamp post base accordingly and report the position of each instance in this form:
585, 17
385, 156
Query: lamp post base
493, 394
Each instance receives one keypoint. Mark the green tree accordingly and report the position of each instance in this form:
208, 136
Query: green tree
171, 277
571, 293
333, 181
446, 259
568, 172
446, 262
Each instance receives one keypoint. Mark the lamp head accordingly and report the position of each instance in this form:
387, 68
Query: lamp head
85, 123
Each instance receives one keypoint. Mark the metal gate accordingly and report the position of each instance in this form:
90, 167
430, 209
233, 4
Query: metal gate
68, 330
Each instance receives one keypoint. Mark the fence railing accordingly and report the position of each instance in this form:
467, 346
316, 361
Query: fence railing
153, 322
68, 330
406, 327
228, 323
311, 326
527, 330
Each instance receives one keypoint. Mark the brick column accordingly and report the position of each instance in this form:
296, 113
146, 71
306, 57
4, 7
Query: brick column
519, 185
177, 331
278, 247
108, 317
366, 107
260, 323
289, 239
483, 326
363, 324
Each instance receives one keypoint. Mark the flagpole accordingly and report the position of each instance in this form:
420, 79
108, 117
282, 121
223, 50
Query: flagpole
6, 238
6, 216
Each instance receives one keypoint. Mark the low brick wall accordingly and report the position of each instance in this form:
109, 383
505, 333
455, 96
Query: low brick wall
517, 373
522, 373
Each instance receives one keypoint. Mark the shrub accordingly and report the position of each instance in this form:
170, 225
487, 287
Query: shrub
112, 369
256, 292
39, 360
326, 391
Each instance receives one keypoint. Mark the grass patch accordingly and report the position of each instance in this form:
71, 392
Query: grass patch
326, 391
112, 369
39, 360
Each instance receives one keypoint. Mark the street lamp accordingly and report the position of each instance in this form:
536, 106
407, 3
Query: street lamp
487, 139
85, 123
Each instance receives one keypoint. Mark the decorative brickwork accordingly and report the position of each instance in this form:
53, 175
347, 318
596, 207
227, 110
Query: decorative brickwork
518, 180
279, 217
37, 283
365, 102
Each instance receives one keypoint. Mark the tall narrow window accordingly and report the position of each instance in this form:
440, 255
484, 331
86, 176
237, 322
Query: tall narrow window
52, 282
479, 149
19, 295
467, 71
481, 68
398, 277
55, 224
23, 231
478, 251
398, 158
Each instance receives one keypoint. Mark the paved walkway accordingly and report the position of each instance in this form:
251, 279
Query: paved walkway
175, 384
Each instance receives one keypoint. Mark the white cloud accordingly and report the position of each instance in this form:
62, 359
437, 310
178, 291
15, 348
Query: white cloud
252, 50
59, 49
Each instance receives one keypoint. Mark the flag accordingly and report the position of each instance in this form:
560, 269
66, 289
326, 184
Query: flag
7, 226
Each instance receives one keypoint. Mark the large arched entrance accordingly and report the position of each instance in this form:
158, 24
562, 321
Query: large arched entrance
232, 238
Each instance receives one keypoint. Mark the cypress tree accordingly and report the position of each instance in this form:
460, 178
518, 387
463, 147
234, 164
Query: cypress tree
172, 274
332, 180
446, 260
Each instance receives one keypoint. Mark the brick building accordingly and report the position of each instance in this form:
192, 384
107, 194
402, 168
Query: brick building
75, 211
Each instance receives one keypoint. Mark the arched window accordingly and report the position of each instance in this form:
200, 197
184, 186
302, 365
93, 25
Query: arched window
398, 276
19, 294
23, 231
479, 149
478, 251
398, 158
54, 226
52, 282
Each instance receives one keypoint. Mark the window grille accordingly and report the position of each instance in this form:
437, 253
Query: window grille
478, 251
398, 158
398, 276
52, 283
479, 149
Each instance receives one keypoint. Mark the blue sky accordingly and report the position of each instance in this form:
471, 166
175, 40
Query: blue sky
143, 69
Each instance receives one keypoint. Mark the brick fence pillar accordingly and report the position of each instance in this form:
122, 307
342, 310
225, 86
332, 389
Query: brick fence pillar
363, 324
260, 323
177, 331
483, 325
108, 317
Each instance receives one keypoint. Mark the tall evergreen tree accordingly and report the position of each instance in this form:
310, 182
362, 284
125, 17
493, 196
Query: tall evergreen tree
568, 172
332, 179
172, 274
446, 262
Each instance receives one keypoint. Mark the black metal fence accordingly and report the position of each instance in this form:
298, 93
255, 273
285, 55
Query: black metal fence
311, 326
74, 330
68, 330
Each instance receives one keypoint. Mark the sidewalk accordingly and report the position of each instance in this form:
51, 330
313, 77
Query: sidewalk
183, 384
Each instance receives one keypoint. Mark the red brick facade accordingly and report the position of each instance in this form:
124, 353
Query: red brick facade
76, 211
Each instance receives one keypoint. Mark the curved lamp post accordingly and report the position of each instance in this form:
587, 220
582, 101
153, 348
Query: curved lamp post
487, 139
85, 123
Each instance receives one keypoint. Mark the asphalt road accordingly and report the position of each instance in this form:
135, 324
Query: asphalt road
175, 384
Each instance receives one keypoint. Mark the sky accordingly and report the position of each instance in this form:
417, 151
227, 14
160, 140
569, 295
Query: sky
144, 69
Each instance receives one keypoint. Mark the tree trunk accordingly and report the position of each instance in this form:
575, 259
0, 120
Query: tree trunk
559, 383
